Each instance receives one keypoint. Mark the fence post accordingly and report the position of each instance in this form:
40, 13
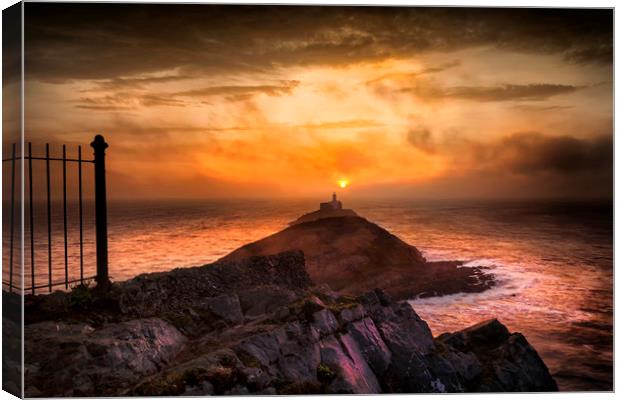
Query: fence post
101, 213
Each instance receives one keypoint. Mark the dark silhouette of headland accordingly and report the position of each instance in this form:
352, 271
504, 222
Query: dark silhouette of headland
354, 255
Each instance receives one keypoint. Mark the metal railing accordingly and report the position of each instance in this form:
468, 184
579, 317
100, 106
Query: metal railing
99, 146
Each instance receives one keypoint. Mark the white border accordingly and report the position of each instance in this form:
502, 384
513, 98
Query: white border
464, 3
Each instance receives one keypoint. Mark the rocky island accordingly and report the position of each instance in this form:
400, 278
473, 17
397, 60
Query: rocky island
353, 255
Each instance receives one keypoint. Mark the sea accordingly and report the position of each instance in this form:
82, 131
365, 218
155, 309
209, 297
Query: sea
553, 260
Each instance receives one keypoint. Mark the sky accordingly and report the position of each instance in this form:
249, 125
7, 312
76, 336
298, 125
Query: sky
200, 101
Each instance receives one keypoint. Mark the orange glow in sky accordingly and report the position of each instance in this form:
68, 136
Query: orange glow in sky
461, 120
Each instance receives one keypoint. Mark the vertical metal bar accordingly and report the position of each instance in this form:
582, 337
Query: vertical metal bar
31, 215
101, 213
49, 217
64, 208
12, 219
80, 212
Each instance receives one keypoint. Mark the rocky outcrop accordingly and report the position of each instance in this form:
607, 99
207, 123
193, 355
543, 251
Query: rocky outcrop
154, 294
80, 360
296, 339
372, 345
354, 255
509, 362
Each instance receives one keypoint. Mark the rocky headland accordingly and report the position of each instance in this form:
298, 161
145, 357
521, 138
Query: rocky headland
353, 255
257, 326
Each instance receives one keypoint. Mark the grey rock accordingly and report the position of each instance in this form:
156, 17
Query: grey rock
516, 366
256, 379
299, 353
264, 300
353, 375
238, 390
352, 314
292, 339
404, 331
270, 391
324, 322
204, 389
100, 361
226, 307
371, 345
507, 361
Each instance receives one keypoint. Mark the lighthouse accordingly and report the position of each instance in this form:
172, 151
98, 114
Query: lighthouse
335, 204
328, 209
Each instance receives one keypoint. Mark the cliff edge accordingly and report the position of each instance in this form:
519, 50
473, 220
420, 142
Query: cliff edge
257, 326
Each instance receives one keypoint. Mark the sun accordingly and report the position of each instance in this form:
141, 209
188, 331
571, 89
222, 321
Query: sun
343, 183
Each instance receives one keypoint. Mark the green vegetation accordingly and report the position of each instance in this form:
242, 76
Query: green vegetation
325, 374
343, 303
306, 306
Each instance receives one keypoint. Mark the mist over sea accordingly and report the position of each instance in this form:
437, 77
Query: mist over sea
553, 260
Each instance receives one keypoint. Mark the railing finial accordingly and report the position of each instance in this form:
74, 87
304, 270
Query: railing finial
99, 143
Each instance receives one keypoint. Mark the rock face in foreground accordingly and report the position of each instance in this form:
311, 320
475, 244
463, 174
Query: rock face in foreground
262, 329
353, 255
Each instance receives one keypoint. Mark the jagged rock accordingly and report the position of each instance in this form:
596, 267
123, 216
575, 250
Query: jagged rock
324, 322
96, 360
153, 294
508, 361
353, 375
264, 300
455, 370
375, 351
306, 342
265, 348
352, 314
400, 326
299, 352
226, 307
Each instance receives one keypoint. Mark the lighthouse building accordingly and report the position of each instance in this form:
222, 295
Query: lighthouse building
335, 204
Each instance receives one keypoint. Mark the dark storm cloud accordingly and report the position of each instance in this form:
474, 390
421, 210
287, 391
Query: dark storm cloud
108, 41
530, 153
532, 92
526, 153
536, 163
598, 54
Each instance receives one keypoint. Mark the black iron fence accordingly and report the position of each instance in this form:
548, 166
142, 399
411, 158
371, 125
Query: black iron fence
99, 146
